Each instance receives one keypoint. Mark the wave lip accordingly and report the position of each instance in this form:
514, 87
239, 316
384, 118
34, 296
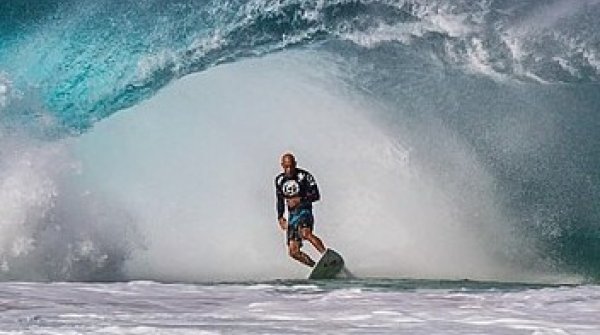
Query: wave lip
83, 77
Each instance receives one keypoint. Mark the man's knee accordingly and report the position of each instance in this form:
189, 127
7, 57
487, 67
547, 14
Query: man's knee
293, 250
306, 233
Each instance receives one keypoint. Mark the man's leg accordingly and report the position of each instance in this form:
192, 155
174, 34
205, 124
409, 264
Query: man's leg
308, 235
297, 254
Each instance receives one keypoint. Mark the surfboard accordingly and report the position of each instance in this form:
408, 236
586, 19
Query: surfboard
328, 267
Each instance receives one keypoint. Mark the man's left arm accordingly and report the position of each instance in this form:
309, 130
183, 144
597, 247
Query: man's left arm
312, 190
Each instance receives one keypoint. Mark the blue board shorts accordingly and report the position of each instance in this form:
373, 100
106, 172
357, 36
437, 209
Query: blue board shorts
302, 218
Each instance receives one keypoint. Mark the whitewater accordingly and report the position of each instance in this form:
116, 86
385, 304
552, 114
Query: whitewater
364, 307
454, 143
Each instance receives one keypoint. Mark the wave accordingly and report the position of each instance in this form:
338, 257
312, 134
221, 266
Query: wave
493, 101
108, 55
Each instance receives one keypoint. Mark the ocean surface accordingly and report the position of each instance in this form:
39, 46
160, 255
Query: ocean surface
299, 307
455, 144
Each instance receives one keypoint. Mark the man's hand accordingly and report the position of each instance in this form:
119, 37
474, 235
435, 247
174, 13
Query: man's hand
293, 202
283, 223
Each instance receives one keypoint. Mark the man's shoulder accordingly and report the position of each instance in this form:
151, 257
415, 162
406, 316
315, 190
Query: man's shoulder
279, 178
302, 171
303, 174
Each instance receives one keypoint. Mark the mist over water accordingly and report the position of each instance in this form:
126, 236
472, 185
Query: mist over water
52, 229
196, 165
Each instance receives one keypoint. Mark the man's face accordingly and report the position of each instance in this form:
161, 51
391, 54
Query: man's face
288, 165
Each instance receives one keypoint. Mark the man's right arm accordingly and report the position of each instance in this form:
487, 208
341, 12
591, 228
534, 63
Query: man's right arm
280, 201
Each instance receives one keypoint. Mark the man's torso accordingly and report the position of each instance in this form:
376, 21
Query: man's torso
295, 186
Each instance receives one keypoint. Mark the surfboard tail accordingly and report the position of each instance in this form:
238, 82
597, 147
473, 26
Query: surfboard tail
328, 267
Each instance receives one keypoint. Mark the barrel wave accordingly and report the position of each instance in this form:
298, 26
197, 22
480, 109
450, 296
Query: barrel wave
451, 139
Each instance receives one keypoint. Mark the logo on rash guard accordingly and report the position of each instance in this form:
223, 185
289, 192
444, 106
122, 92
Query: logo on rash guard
290, 188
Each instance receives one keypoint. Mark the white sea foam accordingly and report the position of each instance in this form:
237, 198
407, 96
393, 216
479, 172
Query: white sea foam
72, 308
4, 90
49, 228
28, 188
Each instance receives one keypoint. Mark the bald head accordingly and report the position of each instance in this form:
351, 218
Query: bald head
288, 163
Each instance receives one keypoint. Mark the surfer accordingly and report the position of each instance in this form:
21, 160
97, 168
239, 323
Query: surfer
298, 189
